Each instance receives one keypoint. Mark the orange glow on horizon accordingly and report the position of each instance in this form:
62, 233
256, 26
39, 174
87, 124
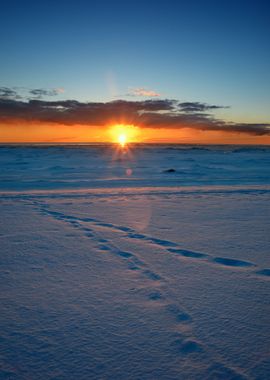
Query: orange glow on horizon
40, 132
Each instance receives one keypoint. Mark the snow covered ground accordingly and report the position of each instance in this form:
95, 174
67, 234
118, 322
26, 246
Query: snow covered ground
114, 268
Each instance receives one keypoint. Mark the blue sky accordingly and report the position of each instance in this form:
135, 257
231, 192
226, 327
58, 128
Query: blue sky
206, 51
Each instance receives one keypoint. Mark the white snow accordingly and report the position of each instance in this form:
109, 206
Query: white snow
162, 277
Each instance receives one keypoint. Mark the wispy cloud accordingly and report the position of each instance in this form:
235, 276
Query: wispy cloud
8, 93
198, 107
141, 91
151, 113
26, 93
41, 92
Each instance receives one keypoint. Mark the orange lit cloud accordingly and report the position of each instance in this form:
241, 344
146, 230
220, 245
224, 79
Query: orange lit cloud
141, 91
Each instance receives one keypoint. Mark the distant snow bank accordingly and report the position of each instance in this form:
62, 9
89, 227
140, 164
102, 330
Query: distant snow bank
106, 166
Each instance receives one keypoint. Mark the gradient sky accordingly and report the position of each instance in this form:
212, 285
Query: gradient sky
210, 52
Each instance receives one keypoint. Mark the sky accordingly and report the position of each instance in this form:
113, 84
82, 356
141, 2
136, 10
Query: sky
178, 71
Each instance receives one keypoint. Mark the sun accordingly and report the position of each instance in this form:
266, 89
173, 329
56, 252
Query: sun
123, 134
122, 139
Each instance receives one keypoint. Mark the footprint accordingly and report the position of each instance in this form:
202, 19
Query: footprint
103, 247
186, 253
88, 220
136, 236
137, 261
163, 243
89, 234
180, 315
125, 255
186, 347
122, 228
152, 275
132, 266
109, 225
155, 295
232, 262
190, 346
151, 293
69, 217
85, 229
75, 224
264, 272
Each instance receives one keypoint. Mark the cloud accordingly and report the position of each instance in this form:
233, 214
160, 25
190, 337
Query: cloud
26, 93
40, 92
198, 107
60, 90
8, 93
151, 113
143, 92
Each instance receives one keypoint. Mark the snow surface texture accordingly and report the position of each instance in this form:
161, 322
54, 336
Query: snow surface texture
167, 277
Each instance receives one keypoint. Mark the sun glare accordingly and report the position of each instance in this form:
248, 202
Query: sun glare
122, 139
124, 134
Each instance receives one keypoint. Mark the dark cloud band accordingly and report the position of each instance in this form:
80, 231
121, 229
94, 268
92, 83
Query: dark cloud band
158, 113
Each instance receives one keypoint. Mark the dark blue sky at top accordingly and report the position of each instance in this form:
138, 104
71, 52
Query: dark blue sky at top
212, 51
